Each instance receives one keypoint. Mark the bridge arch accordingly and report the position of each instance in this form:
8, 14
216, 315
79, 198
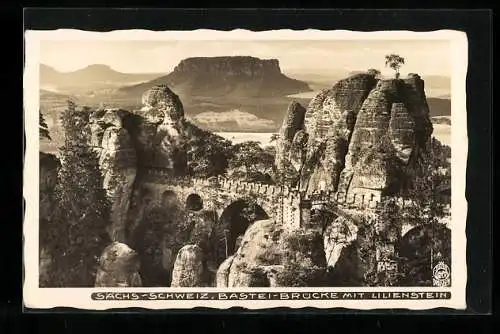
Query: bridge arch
194, 202
423, 247
169, 199
233, 222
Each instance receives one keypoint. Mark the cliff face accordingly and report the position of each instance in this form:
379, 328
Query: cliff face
237, 76
292, 138
160, 129
118, 163
364, 135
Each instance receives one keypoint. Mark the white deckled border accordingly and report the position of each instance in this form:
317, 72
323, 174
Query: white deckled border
35, 297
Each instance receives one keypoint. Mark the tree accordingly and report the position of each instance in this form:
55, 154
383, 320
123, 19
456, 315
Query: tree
248, 160
423, 209
395, 62
207, 153
44, 129
376, 73
76, 235
274, 137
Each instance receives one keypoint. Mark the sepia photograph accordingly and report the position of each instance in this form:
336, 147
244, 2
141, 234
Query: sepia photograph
293, 167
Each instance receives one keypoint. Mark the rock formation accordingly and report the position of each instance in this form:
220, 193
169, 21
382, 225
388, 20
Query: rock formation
256, 260
237, 76
338, 235
189, 268
363, 136
119, 267
290, 148
118, 163
222, 276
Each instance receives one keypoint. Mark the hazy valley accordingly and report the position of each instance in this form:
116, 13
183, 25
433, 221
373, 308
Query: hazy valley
242, 95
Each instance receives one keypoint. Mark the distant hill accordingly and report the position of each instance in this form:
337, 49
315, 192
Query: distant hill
225, 77
91, 77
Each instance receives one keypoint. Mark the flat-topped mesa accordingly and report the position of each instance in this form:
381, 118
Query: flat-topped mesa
230, 66
225, 78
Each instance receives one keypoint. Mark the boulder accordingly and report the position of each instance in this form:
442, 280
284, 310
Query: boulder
260, 247
118, 267
222, 276
189, 268
338, 234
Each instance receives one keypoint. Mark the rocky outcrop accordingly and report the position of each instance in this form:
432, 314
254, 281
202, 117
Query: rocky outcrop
290, 146
129, 143
160, 130
237, 76
119, 267
259, 251
329, 122
222, 276
338, 235
393, 125
363, 136
189, 268
118, 163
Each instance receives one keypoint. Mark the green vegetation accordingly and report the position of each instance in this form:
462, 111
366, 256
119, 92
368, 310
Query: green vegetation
395, 62
44, 129
303, 259
428, 241
76, 234
161, 229
206, 152
250, 162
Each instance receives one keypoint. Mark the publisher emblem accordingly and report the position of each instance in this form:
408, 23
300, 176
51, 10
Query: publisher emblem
441, 274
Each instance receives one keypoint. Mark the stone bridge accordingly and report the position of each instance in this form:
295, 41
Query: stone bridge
284, 204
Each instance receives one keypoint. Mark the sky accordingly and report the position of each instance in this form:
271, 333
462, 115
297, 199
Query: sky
425, 57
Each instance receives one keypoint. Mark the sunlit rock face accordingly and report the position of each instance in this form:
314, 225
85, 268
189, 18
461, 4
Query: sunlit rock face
339, 234
364, 136
393, 125
258, 253
189, 268
118, 267
161, 131
329, 122
222, 276
118, 163
290, 145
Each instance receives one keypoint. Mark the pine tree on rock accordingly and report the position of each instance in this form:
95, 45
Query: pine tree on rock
77, 235
44, 129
